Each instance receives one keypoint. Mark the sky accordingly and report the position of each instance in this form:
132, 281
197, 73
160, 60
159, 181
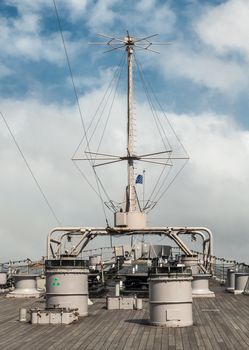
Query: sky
201, 79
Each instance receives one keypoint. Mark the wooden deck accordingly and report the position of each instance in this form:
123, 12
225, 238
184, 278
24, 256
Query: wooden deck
219, 323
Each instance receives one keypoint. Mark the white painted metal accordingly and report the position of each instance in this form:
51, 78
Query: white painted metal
53, 316
117, 289
170, 301
23, 315
85, 234
230, 280
120, 219
241, 279
3, 278
131, 202
25, 287
134, 220
200, 286
123, 303
138, 303
191, 262
67, 288
41, 283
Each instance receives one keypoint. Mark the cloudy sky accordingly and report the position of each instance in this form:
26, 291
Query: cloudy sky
201, 80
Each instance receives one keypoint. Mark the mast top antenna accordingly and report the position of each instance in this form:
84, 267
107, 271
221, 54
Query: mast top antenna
140, 43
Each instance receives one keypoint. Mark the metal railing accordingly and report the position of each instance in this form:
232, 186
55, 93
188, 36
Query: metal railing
221, 265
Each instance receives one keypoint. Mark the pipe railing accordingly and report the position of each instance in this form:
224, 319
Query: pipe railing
221, 265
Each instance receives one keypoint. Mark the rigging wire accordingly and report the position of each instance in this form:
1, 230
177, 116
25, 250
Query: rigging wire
109, 88
151, 104
97, 110
111, 106
69, 65
109, 91
86, 179
170, 183
76, 97
157, 121
104, 129
31, 171
155, 193
178, 139
167, 118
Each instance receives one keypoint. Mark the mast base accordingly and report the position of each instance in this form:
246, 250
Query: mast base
135, 219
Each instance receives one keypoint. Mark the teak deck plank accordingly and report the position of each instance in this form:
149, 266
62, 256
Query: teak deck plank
219, 323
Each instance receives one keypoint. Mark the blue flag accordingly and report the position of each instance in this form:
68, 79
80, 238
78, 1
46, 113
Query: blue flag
139, 179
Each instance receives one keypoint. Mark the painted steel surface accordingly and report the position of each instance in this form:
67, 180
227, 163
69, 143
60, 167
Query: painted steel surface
241, 279
200, 285
170, 301
67, 288
3, 278
192, 262
230, 280
25, 287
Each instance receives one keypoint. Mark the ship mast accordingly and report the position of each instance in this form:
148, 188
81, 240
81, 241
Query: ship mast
131, 195
129, 214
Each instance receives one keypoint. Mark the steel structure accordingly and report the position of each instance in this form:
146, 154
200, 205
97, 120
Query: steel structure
132, 220
59, 237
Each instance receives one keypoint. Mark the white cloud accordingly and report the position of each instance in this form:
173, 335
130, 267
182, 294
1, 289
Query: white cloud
153, 17
101, 15
22, 36
74, 10
204, 69
141, 18
213, 189
225, 27
210, 192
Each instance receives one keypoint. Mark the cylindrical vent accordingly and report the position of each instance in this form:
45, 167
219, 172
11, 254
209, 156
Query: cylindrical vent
3, 278
200, 285
241, 279
171, 300
67, 287
23, 315
25, 287
230, 280
192, 262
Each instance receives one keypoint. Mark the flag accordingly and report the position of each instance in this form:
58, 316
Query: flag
139, 179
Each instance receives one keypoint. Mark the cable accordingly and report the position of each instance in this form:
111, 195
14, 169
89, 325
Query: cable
157, 121
69, 65
166, 117
110, 109
75, 91
84, 176
176, 136
97, 110
181, 144
31, 171
153, 110
166, 189
101, 139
